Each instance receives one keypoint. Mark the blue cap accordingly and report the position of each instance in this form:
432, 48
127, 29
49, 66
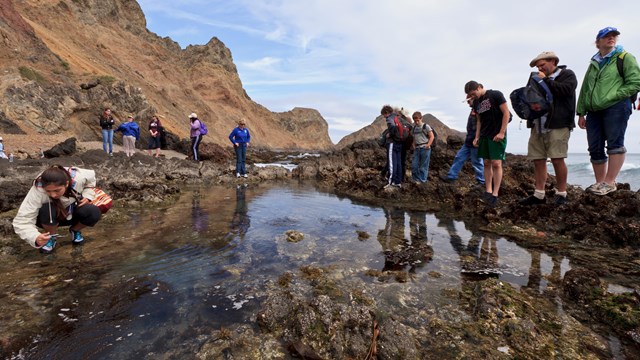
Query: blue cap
602, 33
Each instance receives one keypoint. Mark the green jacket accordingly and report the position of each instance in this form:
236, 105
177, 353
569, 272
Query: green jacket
603, 87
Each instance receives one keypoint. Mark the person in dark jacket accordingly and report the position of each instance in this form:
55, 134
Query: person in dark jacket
394, 149
467, 151
550, 133
106, 123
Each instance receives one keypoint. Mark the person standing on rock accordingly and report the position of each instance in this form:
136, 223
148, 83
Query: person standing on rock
196, 136
130, 133
2, 154
59, 197
550, 133
394, 150
422, 140
491, 134
467, 151
240, 138
106, 123
154, 132
612, 78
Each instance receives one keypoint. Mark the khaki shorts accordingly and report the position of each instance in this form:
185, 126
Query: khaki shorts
551, 145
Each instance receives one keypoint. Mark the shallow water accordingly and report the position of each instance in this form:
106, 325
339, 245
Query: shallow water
166, 278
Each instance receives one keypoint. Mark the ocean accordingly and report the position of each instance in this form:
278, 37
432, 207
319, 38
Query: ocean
581, 172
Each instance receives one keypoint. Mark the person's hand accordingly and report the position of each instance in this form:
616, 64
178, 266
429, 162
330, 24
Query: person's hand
582, 123
83, 202
541, 75
499, 137
235, 144
475, 142
42, 239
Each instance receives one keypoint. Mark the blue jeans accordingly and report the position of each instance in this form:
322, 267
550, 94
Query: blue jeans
463, 154
420, 164
107, 138
607, 125
394, 153
241, 157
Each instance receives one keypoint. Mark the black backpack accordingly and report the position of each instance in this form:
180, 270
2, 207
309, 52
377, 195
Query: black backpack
536, 92
620, 65
382, 139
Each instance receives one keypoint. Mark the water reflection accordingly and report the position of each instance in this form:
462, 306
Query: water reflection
173, 277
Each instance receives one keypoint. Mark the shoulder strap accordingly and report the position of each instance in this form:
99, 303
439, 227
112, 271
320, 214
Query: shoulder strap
620, 63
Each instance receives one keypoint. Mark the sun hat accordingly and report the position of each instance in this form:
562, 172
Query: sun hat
193, 116
0, 138
545, 55
609, 29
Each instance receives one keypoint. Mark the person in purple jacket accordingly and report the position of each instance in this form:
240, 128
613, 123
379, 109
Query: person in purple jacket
196, 136
240, 139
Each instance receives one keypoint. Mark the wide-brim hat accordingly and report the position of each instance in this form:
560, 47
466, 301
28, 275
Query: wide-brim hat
193, 116
545, 55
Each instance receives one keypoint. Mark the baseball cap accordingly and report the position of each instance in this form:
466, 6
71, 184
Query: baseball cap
193, 116
602, 33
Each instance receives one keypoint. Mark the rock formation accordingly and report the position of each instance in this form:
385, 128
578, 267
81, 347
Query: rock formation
64, 61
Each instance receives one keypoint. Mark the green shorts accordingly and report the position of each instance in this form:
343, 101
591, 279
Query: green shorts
491, 150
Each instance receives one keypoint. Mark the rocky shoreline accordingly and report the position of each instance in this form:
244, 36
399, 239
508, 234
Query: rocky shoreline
311, 315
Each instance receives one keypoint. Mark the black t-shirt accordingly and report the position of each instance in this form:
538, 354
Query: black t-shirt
488, 108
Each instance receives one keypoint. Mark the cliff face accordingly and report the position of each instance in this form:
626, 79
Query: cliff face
378, 125
66, 60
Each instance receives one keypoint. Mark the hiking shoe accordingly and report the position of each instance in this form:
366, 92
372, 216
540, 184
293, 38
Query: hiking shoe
560, 200
448, 180
76, 237
486, 196
604, 189
532, 200
592, 188
492, 201
237, 175
49, 246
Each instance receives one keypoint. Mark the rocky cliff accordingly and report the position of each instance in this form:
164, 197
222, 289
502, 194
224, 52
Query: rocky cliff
65, 60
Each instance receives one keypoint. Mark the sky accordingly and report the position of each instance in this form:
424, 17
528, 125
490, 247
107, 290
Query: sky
347, 58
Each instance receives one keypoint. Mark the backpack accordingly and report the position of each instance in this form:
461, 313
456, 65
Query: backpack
620, 65
203, 128
382, 140
404, 132
536, 92
435, 135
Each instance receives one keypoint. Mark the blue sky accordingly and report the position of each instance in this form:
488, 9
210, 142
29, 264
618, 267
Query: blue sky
347, 58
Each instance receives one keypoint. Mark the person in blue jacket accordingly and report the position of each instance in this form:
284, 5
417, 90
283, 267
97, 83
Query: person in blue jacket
240, 139
130, 133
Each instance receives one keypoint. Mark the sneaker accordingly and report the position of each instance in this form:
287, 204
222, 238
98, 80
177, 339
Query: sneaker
448, 179
76, 237
397, 185
237, 174
110, 154
560, 200
245, 175
486, 196
49, 246
493, 201
532, 200
592, 188
604, 189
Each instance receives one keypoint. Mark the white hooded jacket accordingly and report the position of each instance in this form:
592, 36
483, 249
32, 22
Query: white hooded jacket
24, 224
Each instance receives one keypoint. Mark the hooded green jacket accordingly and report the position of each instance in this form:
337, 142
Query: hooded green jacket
603, 86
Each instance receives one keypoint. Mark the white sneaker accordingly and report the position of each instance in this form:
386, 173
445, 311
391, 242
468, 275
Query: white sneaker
245, 175
593, 188
237, 174
605, 189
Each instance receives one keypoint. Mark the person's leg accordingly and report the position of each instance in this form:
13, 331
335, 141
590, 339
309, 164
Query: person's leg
390, 161
496, 169
425, 166
199, 141
105, 136
488, 176
194, 151
415, 165
617, 117
243, 159
83, 216
560, 168
595, 139
110, 136
238, 159
458, 162
615, 165
540, 173
397, 164
476, 163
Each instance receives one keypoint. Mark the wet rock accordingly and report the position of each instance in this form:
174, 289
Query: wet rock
294, 236
582, 285
68, 147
